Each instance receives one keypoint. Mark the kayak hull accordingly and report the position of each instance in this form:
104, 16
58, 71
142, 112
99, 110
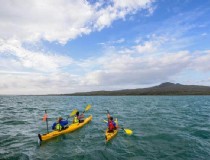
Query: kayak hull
70, 128
111, 135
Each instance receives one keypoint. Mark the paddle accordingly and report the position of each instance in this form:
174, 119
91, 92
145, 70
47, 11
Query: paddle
128, 131
87, 108
73, 112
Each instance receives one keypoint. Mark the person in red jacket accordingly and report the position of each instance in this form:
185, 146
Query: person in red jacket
111, 124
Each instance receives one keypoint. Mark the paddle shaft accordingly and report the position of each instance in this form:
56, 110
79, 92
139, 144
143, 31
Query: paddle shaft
107, 111
47, 121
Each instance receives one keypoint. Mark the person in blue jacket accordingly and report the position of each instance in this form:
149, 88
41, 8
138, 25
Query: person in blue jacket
60, 124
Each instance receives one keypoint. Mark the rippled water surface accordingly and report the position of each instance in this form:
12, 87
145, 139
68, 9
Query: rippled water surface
165, 127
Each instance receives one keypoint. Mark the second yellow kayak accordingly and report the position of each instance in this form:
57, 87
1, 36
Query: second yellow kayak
109, 136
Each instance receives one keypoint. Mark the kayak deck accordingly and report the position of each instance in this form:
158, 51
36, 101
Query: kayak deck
69, 129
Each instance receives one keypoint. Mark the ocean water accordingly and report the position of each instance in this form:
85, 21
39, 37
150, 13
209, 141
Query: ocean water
164, 127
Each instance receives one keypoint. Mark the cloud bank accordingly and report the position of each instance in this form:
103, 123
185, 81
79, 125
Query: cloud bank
160, 56
60, 20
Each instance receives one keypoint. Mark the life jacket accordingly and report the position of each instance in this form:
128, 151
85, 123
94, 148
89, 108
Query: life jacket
58, 127
76, 120
111, 126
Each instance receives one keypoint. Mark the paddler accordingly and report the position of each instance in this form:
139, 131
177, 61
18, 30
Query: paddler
60, 124
78, 118
111, 124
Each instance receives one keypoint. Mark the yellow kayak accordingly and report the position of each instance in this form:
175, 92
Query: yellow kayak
111, 135
70, 128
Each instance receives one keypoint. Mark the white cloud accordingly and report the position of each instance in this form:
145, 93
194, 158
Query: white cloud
36, 83
60, 20
109, 43
147, 47
127, 69
153, 44
52, 20
118, 10
119, 40
204, 34
14, 57
201, 61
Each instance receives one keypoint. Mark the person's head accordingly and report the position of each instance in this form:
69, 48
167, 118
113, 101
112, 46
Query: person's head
59, 119
77, 113
111, 118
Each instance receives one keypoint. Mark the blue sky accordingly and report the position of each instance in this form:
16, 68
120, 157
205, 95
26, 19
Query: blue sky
74, 46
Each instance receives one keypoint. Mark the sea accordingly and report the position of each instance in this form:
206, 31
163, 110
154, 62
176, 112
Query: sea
164, 128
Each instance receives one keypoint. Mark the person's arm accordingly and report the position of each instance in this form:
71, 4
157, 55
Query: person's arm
53, 126
108, 115
115, 125
81, 116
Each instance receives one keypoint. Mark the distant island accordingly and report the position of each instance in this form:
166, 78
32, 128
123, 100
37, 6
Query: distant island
166, 88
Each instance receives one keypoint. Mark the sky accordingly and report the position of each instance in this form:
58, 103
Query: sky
68, 46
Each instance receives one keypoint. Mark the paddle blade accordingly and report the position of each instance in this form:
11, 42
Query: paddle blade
87, 107
128, 131
73, 112
44, 117
105, 121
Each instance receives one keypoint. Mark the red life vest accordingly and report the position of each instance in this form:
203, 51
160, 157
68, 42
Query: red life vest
111, 126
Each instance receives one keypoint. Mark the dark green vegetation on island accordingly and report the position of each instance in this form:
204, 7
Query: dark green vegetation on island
162, 89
